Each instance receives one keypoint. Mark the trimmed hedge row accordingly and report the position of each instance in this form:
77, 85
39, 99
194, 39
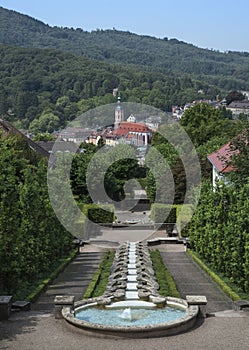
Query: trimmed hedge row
103, 213
163, 276
39, 289
32, 239
183, 216
163, 213
99, 281
176, 213
226, 289
219, 231
99, 214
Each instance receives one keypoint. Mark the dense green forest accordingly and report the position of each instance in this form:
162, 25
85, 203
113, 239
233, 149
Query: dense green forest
44, 89
227, 70
50, 75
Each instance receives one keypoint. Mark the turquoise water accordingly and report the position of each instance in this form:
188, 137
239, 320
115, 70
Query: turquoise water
140, 317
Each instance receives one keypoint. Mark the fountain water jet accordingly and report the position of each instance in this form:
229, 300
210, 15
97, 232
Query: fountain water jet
126, 314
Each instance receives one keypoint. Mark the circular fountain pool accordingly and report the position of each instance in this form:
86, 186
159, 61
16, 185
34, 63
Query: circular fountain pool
129, 317
140, 322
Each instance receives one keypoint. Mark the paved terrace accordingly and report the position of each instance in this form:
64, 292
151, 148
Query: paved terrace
39, 330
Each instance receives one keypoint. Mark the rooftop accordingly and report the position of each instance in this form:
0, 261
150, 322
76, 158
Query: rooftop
239, 104
126, 127
220, 158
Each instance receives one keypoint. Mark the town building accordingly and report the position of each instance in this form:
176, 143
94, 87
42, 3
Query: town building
76, 135
137, 134
58, 146
220, 161
239, 107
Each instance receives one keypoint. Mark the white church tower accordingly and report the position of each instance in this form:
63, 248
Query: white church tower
119, 114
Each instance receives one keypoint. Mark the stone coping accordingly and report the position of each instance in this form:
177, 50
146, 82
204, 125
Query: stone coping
5, 299
196, 299
64, 300
163, 240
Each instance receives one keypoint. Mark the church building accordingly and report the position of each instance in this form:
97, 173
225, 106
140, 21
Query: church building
129, 132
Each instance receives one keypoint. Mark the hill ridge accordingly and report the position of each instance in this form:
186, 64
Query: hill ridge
121, 47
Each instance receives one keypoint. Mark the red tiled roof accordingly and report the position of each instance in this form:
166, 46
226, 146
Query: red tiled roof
126, 127
221, 157
120, 132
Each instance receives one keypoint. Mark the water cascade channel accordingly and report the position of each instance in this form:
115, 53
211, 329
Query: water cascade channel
131, 305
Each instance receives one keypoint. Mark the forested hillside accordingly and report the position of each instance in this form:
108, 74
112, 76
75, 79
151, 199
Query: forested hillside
42, 89
226, 70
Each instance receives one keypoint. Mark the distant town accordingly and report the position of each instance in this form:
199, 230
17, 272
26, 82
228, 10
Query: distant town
138, 128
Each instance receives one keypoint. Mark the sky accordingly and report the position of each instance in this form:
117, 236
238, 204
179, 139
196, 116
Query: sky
214, 24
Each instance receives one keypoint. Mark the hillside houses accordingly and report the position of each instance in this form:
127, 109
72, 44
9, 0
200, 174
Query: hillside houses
239, 107
236, 107
76, 135
137, 134
178, 111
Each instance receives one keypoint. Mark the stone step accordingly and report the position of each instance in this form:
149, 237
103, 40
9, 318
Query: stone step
131, 295
131, 286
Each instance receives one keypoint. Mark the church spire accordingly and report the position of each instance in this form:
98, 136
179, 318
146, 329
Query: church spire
119, 114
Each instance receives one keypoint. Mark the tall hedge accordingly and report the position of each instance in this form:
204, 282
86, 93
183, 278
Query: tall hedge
32, 240
97, 214
180, 214
219, 231
183, 217
163, 213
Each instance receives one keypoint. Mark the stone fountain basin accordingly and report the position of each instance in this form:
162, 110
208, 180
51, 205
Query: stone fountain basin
176, 326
